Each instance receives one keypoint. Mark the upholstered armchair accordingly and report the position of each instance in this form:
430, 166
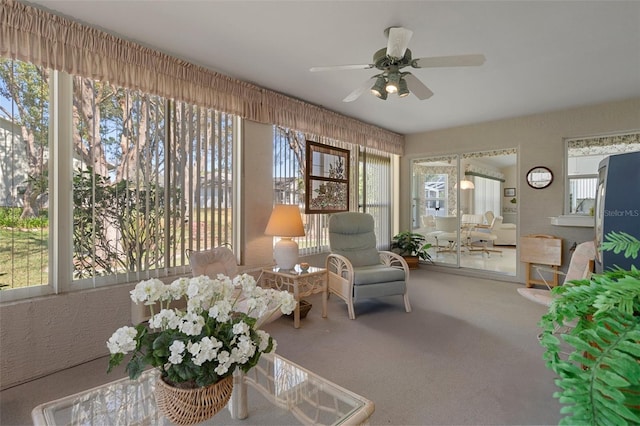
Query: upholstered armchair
356, 269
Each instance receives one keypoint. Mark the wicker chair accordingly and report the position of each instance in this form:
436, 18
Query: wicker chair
221, 260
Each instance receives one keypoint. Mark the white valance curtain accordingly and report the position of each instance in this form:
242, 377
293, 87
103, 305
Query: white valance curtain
34, 35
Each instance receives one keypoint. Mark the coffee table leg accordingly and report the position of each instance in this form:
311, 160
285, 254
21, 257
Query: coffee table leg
296, 312
296, 316
325, 296
238, 401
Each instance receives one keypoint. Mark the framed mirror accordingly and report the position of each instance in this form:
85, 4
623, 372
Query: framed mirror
539, 177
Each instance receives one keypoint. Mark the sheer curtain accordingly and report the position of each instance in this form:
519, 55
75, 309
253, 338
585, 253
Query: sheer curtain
486, 195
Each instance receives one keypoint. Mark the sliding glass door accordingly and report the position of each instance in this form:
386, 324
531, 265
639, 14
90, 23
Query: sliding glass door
466, 207
435, 206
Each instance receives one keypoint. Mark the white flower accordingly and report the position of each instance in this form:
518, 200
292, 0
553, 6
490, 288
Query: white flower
264, 340
149, 292
221, 369
247, 282
241, 328
244, 351
177, 349
221, 311
178, 288
211, 306
287, 302
175, 358
203, 351
165, 319
123, 340
191, 324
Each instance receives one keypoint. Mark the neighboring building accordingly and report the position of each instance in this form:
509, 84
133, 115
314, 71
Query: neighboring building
13, 165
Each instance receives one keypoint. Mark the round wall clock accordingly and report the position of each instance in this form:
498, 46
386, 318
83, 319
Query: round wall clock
539, 177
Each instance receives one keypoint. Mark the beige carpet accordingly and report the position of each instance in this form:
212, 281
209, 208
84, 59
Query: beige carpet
466, 355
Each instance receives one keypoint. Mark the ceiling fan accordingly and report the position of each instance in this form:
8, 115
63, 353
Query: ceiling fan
392, 59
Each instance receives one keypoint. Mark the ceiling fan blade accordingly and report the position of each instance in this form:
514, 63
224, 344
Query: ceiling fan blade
398, 41
416, 87
342, 67
449, 61
360, 90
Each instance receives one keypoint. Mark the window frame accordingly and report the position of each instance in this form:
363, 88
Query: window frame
61, 206
567, 158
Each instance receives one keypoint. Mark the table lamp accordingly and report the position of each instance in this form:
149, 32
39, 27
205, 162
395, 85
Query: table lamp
465, 184
285, 222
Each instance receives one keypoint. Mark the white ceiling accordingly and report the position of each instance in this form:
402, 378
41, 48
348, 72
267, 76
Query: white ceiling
540, 55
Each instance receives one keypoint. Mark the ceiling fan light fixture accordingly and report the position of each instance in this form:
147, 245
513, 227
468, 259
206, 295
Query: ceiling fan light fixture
393, 82
378, 88
403, 90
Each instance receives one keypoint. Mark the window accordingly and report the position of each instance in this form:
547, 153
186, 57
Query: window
372, 189
583, 158
435, 195
288, 186
374, 195
24, 191
149, 178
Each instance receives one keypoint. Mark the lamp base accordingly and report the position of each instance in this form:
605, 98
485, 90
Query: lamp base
285, 253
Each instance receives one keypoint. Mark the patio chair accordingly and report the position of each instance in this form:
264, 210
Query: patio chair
446, 234
484, 235
356, 269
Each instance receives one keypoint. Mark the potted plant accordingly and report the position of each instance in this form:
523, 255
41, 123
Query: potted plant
412, 247
598, 360
197, 349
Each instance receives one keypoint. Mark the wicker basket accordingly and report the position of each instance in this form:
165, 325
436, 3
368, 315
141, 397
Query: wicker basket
191, 406
305, 307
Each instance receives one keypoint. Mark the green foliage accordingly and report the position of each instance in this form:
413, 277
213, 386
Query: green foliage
600, 378
411, 244
621, 241
134, 215
10, 217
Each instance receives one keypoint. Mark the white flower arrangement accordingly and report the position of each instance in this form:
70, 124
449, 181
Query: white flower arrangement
200, 345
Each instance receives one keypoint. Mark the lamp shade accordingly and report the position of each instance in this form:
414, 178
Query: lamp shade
285, 221
466, 184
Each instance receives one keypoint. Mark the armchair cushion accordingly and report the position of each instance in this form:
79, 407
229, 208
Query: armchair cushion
351, 235
373, 274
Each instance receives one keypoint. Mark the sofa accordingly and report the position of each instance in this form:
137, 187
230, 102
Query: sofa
506, 232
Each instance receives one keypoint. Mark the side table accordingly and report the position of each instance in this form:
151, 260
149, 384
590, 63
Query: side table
300, 283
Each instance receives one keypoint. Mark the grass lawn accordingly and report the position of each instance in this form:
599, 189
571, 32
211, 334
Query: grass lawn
29, 263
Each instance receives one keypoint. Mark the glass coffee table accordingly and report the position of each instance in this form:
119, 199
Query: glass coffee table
277, 391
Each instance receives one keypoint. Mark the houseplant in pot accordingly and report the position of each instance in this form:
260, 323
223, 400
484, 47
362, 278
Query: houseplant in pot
197, 349
598, 360
412, 247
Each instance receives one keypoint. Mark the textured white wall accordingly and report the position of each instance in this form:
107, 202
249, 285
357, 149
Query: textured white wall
42, 335
540, 141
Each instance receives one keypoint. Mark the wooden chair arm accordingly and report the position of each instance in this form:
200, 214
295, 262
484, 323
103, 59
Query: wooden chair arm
394, 260
340, 266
